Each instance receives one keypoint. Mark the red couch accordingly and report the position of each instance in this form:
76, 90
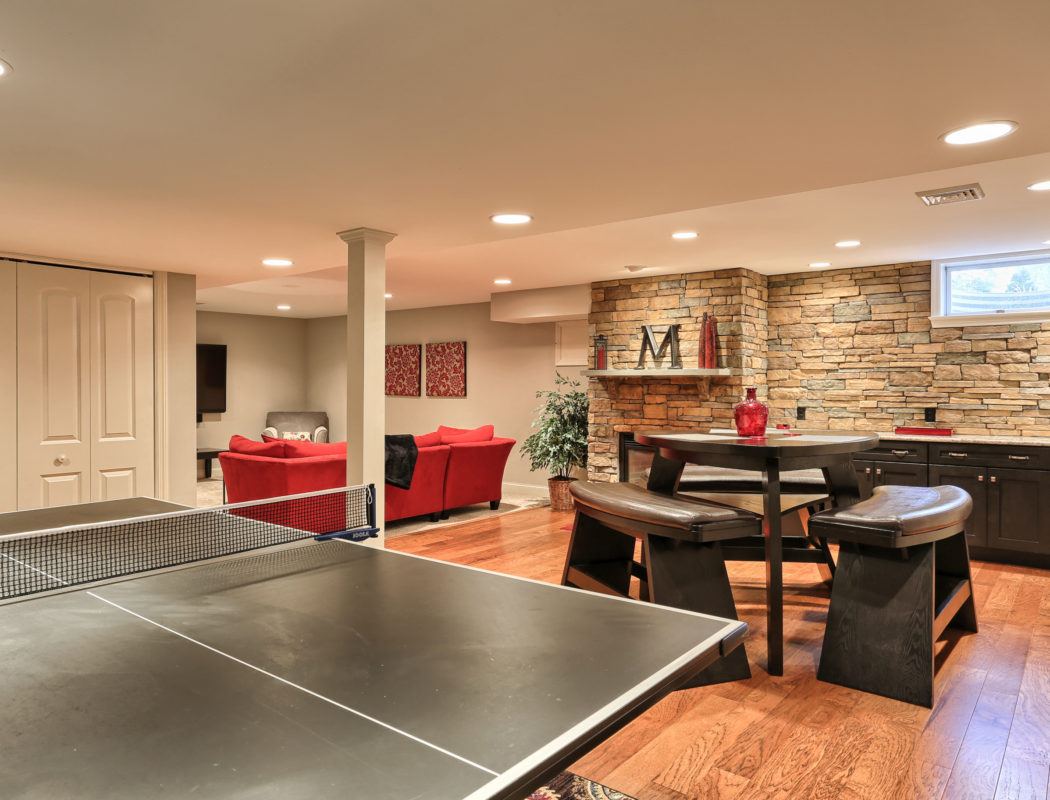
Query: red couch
454, 468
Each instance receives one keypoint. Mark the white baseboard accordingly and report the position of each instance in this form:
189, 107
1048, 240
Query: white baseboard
527, 489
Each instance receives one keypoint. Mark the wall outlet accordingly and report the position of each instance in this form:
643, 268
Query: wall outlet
931, 414
800, 412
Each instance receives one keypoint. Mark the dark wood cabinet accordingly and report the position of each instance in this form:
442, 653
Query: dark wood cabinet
973, 480
879, 473
1010, 487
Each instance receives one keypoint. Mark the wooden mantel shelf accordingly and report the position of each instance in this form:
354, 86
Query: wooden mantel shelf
655, 372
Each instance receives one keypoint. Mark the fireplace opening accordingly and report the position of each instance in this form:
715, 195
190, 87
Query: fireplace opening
635, 458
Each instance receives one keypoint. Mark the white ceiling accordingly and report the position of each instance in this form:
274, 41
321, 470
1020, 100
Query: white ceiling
204, 137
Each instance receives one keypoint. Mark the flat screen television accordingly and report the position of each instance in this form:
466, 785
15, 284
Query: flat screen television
211, 378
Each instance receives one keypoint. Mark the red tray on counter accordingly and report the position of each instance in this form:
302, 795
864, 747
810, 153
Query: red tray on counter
923, 431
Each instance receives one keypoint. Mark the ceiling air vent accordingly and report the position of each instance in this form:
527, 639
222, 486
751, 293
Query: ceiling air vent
952, 194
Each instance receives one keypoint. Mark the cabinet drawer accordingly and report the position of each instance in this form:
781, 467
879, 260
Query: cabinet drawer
991, 455
896, 451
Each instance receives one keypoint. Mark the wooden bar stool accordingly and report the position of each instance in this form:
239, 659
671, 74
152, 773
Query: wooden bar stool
682, 561
903, 576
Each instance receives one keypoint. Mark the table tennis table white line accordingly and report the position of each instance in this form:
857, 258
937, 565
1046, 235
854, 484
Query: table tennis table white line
262, 671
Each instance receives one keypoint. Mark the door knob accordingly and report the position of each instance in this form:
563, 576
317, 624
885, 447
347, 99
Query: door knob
62, 459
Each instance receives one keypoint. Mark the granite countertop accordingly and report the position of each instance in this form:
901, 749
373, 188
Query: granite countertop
966, 438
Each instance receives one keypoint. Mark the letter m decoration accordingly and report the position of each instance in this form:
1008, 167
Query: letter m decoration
649, 345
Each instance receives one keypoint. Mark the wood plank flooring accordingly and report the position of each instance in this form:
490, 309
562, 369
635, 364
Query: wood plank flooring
793, 737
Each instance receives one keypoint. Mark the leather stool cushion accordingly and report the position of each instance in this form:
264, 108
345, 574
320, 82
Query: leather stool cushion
897, 511
631, 501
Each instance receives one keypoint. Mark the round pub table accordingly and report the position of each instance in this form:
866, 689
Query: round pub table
777, 451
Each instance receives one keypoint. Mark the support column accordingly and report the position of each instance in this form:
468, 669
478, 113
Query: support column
366, 359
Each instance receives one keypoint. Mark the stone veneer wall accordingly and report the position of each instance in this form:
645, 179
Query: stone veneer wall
854, 347
619, 309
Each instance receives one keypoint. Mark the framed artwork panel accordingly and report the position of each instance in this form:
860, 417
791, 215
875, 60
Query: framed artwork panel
447, 369
403, 369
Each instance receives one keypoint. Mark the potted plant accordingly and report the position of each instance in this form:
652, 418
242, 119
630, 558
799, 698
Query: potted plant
559, 444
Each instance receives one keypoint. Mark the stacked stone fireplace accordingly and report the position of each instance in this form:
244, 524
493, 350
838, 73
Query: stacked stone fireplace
851, 349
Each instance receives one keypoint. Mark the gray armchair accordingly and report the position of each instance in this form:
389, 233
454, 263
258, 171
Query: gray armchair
314, 423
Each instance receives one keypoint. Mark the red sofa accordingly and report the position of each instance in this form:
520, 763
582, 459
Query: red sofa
454, 468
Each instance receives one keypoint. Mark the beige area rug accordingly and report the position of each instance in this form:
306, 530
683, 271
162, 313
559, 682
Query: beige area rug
209, 493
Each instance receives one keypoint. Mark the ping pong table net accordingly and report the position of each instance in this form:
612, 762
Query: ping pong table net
48, 560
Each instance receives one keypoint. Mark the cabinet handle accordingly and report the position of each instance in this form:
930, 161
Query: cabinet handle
991, 479
980, 478
867, 470
878, 471
957, 455
1019, 458
900, 452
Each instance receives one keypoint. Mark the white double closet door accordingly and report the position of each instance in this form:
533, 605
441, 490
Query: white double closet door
85, 386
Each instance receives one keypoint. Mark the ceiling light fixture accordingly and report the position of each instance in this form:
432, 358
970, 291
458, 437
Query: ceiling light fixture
502, 281
284, 308
1042, 186
635, 267
511, 219
684, 235
848, 243
821, 264
981, 132
277, 262
4, 68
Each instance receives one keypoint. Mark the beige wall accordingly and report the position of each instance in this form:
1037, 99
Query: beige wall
506, 364
266, 370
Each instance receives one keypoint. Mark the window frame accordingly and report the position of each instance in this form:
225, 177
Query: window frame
939, 318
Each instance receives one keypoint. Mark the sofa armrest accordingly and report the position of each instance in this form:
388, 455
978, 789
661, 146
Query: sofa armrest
475, 472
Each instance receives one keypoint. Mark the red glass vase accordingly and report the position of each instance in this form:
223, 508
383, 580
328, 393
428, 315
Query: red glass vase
751, 415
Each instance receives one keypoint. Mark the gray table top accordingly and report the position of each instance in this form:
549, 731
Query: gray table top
328, 669
37, 519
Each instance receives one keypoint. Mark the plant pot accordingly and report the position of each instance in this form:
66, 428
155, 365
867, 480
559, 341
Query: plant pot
561, 499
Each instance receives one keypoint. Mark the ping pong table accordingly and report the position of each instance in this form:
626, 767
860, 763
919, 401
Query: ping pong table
307, 668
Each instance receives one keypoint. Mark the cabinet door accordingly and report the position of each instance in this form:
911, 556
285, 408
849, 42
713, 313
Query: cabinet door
900, 474
975, 481
1019, 510
865, 476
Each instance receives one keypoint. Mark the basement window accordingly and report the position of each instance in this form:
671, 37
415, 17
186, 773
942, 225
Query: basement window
990, 290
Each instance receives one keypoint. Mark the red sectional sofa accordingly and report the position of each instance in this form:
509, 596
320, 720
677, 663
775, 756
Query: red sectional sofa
454, 468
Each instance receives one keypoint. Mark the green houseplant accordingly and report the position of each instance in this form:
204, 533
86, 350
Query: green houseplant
559, 443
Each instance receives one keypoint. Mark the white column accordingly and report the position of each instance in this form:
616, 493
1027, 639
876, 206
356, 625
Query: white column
366, 359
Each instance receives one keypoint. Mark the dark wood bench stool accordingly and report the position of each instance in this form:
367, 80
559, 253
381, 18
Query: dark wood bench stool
903, 576
681, 559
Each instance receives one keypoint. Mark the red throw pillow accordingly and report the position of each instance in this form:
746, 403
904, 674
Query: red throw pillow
250, 447
457, 436
297, 449
428, 439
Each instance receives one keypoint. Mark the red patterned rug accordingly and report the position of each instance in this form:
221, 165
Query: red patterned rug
566, 786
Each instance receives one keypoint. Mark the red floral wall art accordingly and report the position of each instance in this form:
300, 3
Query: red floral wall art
447, 369
403, 362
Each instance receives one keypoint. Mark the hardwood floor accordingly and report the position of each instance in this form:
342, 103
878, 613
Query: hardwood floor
987, 737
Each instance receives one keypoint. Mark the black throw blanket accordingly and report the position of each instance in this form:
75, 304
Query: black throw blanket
401, 452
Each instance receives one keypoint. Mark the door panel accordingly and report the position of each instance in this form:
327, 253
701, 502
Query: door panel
900, 474
121, 386
53, 396
1018, 509
975, 481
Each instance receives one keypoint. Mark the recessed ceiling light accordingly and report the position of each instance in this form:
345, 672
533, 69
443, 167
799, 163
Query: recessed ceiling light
388, 295
1042, 186
284, 308
848, 243
4, 68
502, 281
277, 262
821, 264
982, 132
684, 235
511, 219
